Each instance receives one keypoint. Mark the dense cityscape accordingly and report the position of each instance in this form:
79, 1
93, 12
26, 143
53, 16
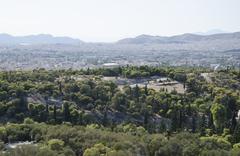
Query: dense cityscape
60, 56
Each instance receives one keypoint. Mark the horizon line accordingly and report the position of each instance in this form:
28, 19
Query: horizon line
130, 37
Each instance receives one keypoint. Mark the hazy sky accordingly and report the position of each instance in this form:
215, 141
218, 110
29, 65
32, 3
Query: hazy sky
110, 20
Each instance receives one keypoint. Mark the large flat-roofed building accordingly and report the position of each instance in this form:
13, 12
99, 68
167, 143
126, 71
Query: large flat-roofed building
110, 65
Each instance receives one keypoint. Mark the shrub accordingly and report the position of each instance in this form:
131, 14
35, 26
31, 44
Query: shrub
56, 144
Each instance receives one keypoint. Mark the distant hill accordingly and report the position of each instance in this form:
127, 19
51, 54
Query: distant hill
223, 41
212, 32
37, 39
184, 38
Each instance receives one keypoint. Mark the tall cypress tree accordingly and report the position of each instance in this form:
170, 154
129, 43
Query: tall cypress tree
55, 113
66, 111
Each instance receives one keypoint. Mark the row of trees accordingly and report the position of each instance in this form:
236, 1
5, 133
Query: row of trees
92, 140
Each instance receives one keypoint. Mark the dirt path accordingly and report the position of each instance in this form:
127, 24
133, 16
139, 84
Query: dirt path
207, 77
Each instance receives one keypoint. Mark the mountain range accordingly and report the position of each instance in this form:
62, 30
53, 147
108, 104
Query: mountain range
184, 38
142, 39
37, 39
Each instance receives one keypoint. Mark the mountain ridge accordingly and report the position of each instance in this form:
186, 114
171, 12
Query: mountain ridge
141, 39
183, 38
37, 39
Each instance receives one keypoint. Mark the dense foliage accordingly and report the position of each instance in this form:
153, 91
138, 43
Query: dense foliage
98, 117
